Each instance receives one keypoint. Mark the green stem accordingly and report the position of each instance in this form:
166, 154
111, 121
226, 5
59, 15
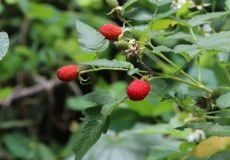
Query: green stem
174, 65
134, 29
185, 108
154, 15
186, 82
193, 35
215, 117
102, 68
227, 73
220, 111
186, 63
198, 67
213, 5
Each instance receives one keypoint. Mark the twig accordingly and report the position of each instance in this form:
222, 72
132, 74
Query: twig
28, 91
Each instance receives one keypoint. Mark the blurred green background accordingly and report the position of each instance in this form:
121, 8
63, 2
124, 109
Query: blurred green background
40, 116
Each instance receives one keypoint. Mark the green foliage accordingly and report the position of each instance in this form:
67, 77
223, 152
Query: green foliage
95, 125
108, 63
4, 44
209, 128
202, 19
90, 40
223, 101
160, 2
181, 49
220, 156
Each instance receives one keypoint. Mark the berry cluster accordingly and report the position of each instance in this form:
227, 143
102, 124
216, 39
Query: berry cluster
137, 89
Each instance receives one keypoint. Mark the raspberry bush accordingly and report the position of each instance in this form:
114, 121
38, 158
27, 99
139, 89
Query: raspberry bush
170, 48
173, 57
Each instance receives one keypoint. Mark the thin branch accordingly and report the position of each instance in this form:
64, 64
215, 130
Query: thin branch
28, 91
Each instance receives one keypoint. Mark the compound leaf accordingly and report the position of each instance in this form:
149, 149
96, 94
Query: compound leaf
95, 125
108, 63
90, 40
102, 97
209, 128
202, 19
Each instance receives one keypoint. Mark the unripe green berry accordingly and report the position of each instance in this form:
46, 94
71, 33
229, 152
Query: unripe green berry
122, 45
112, 3
215, 94
201, 102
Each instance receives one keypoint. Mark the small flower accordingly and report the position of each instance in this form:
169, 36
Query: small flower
196, 136
134, 48
177, 4
205, 30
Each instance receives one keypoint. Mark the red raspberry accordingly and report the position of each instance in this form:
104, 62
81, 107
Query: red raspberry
110, 31
68, 73
138, 90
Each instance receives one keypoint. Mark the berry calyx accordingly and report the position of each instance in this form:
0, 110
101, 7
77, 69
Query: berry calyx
138, 90
67, 73
110, 31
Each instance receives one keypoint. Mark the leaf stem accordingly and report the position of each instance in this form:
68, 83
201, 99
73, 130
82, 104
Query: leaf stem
227, 73
186, 82
223, 110
193, 35
106, 68
174, 65
198, 67
215, 117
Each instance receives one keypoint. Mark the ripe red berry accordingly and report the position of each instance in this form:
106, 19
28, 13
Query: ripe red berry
68, 73
110, 31
138, 90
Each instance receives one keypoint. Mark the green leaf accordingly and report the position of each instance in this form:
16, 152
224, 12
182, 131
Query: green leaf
108, 63
158, 87
34, 12
181, 35
202, 19
122, 146
102, 97
227, 4
133, 71
138, 14
166, 14
44, 152
223, 57
16, 124
223, 155
107, 109
85, 57
160, 2
4, 44
216, 41
128, 3
95, 125
5, 92
78, 104
209, 128
162, 49
17, 144
161, 129
180, 93
187, 51
90, 40
153, 34
223, 101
